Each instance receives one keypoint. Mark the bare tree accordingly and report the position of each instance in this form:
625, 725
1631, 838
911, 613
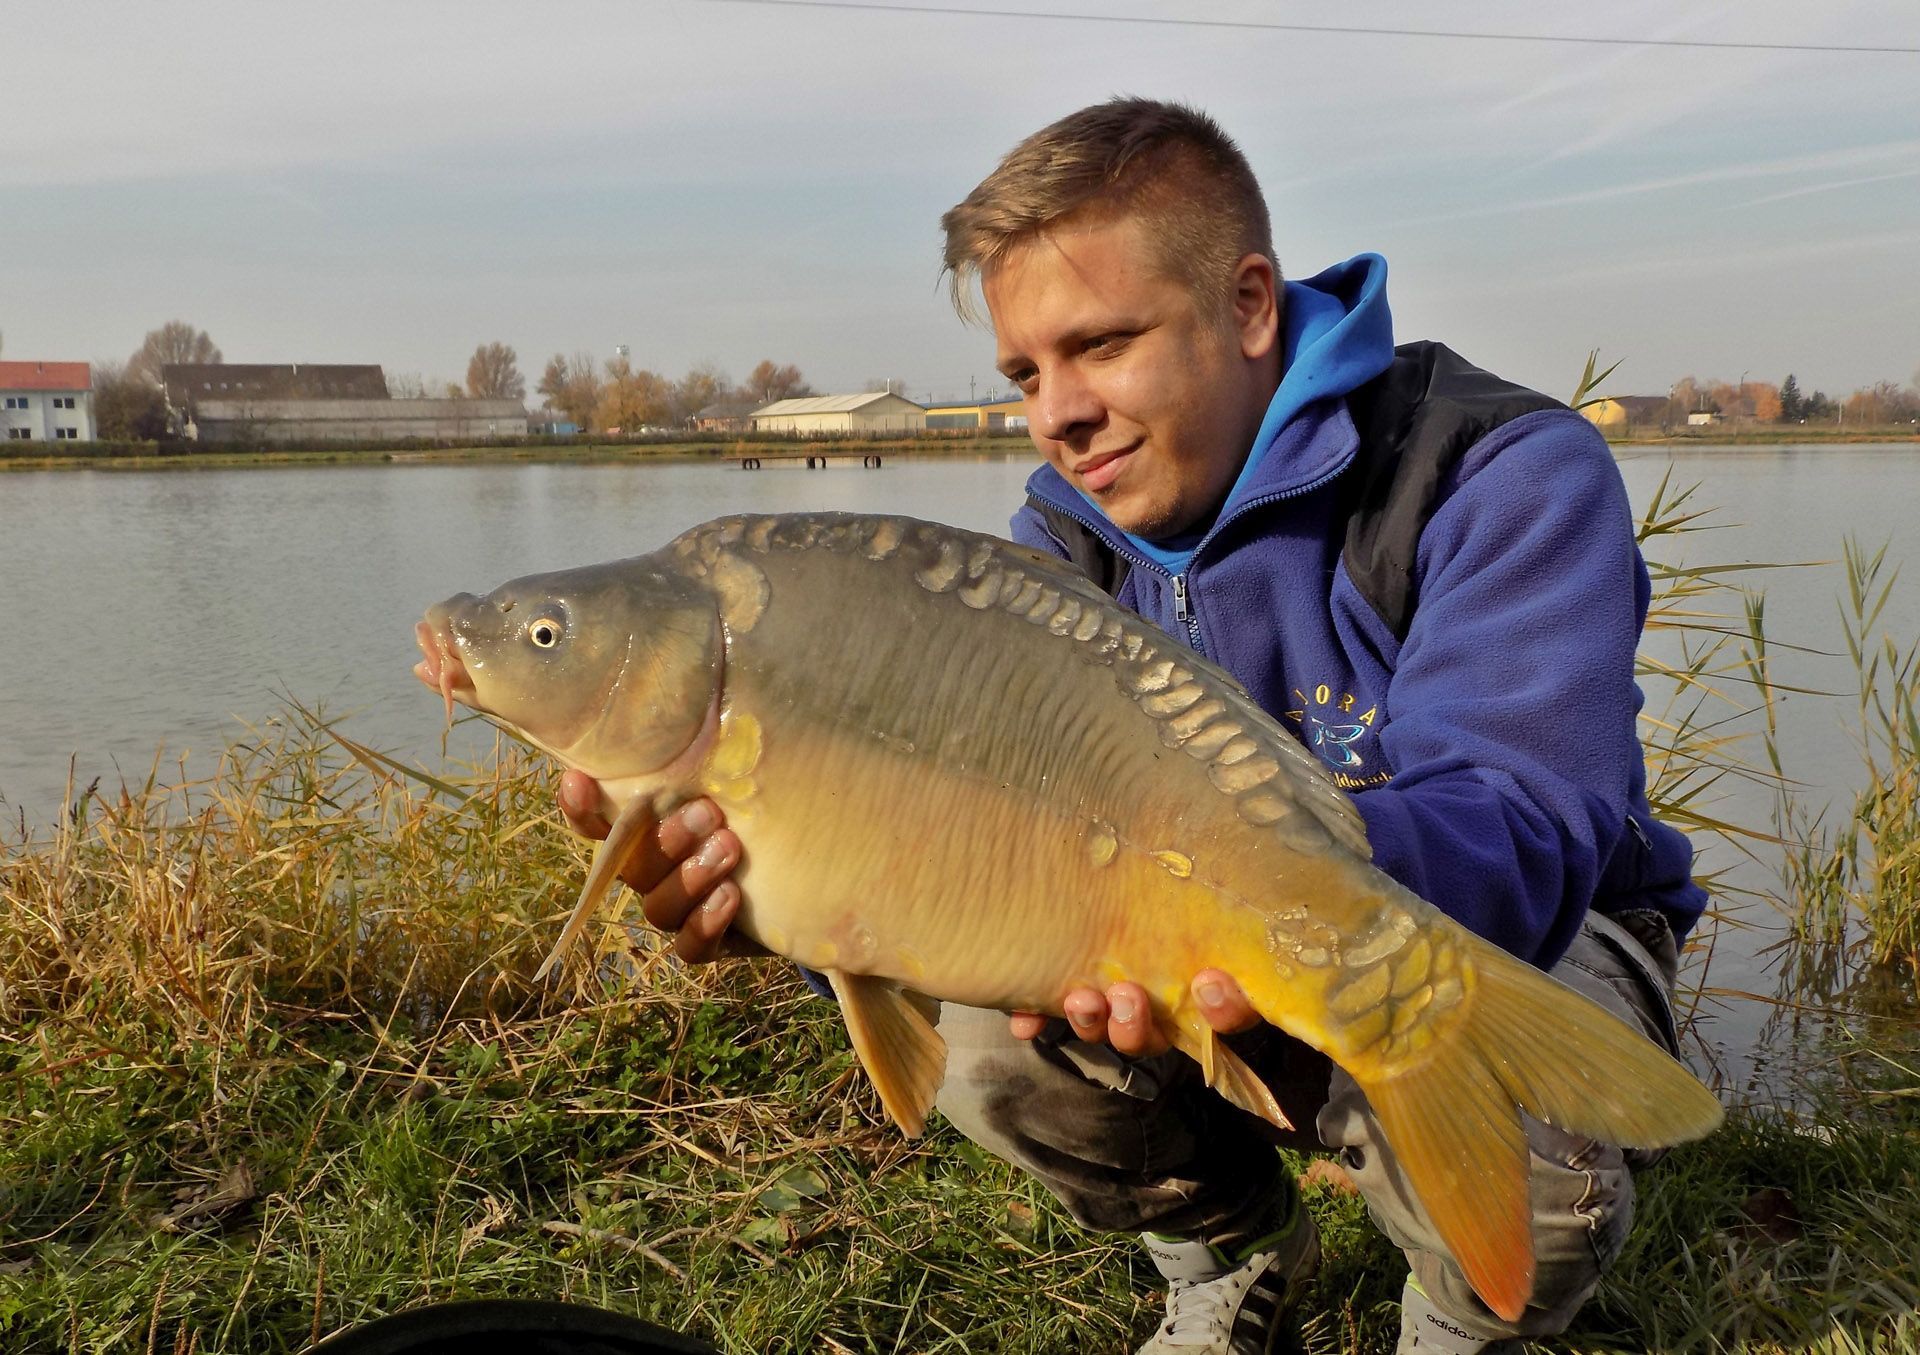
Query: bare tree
493, 373
893, 385
406, 386
572, 386
771, 381
125, 407
696, 390
174, 342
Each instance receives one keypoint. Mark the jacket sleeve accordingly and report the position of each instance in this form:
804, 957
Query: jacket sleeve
1512, 705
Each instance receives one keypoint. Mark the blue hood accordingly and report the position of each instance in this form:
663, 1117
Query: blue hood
1338, 336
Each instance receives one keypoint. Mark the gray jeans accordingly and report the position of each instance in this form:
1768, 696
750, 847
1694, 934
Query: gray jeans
1142, 1145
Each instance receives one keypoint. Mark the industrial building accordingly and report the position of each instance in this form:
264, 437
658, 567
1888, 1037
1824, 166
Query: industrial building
282, 403
868, 412
1007, 414
255, 422
46, 401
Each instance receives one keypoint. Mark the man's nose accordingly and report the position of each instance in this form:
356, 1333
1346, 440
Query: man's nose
1065, 401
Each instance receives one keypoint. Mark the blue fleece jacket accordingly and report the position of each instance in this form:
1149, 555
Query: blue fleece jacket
1492, 753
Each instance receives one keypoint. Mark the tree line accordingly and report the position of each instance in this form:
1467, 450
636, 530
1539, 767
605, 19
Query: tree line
129, 402
1882, 404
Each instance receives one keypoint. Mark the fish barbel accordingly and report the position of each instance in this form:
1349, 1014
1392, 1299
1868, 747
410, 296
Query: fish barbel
959, 770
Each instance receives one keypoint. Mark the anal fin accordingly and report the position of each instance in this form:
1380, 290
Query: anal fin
896, 1043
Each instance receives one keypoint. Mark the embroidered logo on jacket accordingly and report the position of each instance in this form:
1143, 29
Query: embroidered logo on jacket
1333, 725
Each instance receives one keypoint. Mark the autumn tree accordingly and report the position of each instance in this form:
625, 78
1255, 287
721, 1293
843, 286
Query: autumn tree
1763, 400
1792, 405
632, 398
700, 387
770, 381
572, 385
174, 342
126, 408
493, 373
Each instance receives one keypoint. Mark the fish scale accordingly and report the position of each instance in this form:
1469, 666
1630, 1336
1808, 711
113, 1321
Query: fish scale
958, 770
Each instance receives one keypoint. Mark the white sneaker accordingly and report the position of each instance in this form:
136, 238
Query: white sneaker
1222, 1305
1425, 1330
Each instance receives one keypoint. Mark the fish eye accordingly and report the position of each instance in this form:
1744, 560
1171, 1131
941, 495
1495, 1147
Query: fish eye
544, 632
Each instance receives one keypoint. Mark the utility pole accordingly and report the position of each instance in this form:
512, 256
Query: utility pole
971, 397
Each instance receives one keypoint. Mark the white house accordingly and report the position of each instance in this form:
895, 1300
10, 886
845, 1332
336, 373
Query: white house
869, 412
46, 401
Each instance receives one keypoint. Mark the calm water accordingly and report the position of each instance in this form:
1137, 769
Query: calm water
156, 610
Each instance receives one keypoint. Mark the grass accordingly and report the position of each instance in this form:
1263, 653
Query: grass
270, 1066
1855, 886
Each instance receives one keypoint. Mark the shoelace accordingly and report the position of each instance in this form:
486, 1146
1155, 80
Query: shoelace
1195, 1314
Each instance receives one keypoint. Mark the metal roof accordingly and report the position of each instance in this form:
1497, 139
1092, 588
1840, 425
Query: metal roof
826, 404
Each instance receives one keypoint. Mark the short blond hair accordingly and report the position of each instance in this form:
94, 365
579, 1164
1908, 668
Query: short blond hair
1165, 164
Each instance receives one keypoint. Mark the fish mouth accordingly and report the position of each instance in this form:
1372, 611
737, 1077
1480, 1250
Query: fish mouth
440, 667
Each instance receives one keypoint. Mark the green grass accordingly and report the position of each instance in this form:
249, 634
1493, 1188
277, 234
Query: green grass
270, 1067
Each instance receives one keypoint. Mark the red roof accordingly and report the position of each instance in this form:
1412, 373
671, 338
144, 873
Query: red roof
45, 376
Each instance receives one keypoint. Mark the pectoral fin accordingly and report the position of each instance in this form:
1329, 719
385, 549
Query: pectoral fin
1226, 1072
896, 1042
608, 858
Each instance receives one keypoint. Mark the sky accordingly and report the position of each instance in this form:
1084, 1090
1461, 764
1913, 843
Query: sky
723, 181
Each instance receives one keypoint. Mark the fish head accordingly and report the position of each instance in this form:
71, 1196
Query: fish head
614, 669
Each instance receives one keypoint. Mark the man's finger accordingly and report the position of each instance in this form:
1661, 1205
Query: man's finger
702, 937
671, 900
1130, 1024
678, 837
579, 798
1025, 1025
1223, 1003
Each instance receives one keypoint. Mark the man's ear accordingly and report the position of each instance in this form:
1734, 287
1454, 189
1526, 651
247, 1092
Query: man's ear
1256, 306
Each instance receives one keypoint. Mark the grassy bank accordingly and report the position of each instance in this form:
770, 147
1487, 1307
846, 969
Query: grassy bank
272, 1066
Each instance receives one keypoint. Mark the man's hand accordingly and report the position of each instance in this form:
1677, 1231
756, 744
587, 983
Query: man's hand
1123, 1018
682, 870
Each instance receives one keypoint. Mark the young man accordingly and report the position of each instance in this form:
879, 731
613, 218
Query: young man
1429, 572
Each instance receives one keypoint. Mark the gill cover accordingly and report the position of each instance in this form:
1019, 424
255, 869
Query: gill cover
612, 668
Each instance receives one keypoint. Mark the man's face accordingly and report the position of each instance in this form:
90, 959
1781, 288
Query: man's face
1137, 397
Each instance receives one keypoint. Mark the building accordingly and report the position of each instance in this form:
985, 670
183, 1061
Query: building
731, 415
304, 402
1006, 414
47, 401
1628, 414
187, 382
255, 422
869, 412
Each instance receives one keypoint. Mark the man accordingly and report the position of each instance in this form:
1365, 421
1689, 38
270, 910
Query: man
1429, 572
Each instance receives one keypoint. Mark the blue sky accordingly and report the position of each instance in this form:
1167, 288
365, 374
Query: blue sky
703, 180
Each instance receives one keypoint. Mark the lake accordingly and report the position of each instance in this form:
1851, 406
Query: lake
157, 610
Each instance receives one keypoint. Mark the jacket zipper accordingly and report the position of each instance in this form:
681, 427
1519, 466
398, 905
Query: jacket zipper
1182, 603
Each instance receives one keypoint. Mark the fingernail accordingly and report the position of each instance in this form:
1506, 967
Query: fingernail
1212, 994
713, 854
1080, 1018
699, 819
715, 903
1121, 1007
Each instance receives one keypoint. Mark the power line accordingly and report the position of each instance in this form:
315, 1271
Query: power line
1266, 26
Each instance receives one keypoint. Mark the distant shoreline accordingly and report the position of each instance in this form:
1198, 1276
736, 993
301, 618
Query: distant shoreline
771, 455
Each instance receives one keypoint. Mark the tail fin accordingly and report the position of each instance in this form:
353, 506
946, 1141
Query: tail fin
1523, 1040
